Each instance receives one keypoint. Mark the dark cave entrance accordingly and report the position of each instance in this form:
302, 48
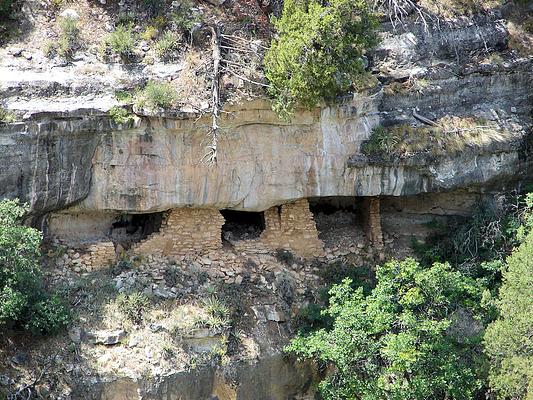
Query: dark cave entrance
338, 216
131, 228
242, 225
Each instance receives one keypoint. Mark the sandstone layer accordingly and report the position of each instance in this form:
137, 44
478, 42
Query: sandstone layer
77, 155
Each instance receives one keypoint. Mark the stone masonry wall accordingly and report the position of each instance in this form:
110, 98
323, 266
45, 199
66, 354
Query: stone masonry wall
372, 221
185, 231
291, 226
99, 255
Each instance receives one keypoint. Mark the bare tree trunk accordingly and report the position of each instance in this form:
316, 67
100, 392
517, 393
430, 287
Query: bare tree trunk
211, 156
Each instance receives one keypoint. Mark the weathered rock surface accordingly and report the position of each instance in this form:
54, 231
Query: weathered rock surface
271, 378
55, 159
48, 163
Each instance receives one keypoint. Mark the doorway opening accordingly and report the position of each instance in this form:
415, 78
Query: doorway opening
242, 225
131, 228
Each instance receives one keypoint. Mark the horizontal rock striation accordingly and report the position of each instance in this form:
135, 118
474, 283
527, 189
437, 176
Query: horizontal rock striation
78, 156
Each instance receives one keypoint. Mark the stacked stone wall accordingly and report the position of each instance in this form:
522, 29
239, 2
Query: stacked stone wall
98, 255
185, 231
371, 212
291, 226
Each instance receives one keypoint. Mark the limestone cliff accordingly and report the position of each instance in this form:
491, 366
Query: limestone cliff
67, 151
142, 213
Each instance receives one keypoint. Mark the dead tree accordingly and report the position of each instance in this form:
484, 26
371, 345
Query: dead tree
212, 153
398, 10
228, 44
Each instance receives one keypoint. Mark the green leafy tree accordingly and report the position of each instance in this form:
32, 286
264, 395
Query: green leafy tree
478, 245
509, 339
23, 302
318, 51
5, 9
404, 340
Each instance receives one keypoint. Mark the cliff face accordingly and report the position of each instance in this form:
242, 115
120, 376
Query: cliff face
67, 154
55, 159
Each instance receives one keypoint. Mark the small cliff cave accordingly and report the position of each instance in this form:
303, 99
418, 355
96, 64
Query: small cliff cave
242, 225
131, 228
338, 216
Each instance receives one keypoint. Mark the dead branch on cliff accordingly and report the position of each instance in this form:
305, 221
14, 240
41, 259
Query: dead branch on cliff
239, 57
28, 391
212, 154
398, 10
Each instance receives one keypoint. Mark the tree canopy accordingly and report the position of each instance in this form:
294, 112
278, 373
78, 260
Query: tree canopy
24, 304
318, 51
403, 341
509, 339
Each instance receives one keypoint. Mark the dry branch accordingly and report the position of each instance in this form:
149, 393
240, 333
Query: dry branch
211, 155
423, 119
398, 10
244, 78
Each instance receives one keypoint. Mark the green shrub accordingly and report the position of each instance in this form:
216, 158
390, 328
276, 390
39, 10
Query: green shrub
6, 116
48, 315
336, 272
381, 141
150, 33
215, 307
156, 95
125, 18
6, 7
50, 49
122, 41
24, 304
318, 51
402, 341
120, 115
479, 244
69, 39
123, 96
184, 18
451, 135
133, 306
218, 314
167, 45
509, 339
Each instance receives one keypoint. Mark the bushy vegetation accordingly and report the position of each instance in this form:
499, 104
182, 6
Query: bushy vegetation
69, 39
394, 343
478, 246
418, 330
24, 303
509, 339
133, 306
337, 271
120, 115
122, 41
318, 51
381, 141
5, 8
450, 135
124, 96
218, 313
184, 18
6, 116
156, 95
167, 45
150, 33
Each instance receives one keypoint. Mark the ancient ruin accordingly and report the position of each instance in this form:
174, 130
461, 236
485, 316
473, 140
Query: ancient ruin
192, 239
